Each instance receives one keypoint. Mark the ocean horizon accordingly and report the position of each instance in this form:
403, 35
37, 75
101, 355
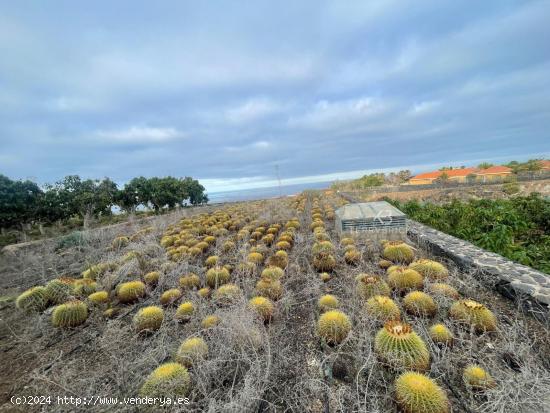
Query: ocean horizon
263, 193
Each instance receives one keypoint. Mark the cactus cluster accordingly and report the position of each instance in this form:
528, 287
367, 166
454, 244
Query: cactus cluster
333, 326
417, 393
473, 314
167, 380
399, 346
148, 319
71, 314
84, 287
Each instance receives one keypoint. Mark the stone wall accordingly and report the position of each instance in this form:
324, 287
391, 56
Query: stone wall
518, 282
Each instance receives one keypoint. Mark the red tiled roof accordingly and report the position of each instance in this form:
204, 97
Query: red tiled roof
494, 170
545, 164
450, 173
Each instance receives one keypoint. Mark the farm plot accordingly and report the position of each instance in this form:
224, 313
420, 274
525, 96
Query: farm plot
259, 307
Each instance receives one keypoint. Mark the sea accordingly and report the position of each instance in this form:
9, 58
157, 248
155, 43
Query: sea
263, 193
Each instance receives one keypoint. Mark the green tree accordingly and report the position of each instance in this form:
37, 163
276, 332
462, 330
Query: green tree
18, 202
195, 191
485, 165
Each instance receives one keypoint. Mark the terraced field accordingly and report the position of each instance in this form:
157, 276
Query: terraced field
260, 307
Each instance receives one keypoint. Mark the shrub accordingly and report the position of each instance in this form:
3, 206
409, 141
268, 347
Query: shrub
432, 270
382, 308
170, 296
130, 292
474, 314
417, 393
120, 242
192, 351
420, 304
263, 306
333, 326
328, 302
399, 346
398, 251
167, 380
70, 314
370, 285
34, 299
148, 319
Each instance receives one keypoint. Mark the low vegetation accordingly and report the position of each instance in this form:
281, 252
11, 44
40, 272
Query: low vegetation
517, 228
258, 307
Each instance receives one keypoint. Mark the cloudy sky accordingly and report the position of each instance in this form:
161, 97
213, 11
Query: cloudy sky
226, 90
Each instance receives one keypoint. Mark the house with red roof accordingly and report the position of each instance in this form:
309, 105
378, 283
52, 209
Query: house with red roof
455, 175
494, 173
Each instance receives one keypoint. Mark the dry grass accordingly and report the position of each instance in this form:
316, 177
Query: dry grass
253, 367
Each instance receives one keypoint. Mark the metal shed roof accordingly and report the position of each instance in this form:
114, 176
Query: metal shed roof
368, 210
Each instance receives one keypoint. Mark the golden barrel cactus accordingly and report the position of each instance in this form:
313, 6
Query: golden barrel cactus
382, 308
148, 319
477, 378
420, 304
167, 380
171, 296
398, 251
263, 307
473, 314
269, 288
328, 302
33, 300
440, 334
399, 346
403, 279
429, 269
192, 351
227, 294
130, 292
70, 314
210, 321
444, 290
185, 311
417, 393
151, 278
217, 276
333, 326
368, 286
100, 297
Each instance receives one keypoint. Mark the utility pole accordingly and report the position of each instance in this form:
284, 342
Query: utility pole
279, 180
